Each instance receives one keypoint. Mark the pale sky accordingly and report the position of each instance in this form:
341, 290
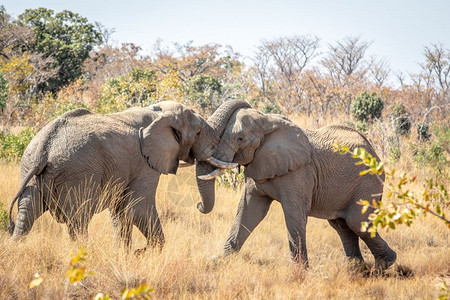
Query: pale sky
398, 29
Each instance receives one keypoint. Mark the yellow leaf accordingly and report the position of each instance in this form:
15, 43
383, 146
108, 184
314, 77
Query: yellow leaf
36, 281
364, 209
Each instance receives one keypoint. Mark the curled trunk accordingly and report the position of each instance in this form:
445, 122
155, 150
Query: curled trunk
218, 121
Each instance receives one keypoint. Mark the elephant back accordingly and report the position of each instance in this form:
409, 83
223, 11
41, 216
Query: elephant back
136, 117
36, 154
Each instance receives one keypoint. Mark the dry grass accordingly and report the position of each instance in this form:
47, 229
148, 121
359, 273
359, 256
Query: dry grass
185, 269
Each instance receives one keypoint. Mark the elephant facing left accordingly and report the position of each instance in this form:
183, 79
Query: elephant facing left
70, 162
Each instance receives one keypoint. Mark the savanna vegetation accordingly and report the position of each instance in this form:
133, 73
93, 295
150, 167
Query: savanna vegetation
52, 62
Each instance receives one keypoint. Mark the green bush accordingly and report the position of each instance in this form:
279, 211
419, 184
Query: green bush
361, 126
4, 220
394, 154
203, 90
3, 91
400, 119
232, 178
434, 154
271, 108
423, 131
366, 107
13, 146
135, 88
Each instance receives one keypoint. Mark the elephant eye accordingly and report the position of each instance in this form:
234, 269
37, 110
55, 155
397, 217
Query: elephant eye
198, 133
239, 139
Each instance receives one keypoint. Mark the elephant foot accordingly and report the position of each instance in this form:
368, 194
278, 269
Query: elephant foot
141, 251
387, 260
358, 266
18, 237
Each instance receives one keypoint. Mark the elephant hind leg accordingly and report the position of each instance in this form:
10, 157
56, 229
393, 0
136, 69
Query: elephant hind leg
350, 239
31, 206
383, 254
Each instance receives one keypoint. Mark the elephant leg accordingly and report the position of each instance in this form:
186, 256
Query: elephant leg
251, 211
296, 216
31, 207
141, 209
78, 229
147, 221
122, 227
384, 255
77, 211
350, 240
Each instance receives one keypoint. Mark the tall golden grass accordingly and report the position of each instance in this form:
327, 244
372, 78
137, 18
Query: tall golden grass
185, 269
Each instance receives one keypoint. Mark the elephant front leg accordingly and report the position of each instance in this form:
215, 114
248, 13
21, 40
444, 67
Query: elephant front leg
295, 215
140, 209
252, 209
30, 208
148, 222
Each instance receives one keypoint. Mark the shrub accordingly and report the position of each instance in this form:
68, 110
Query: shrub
135, 88
3, 91
4, 220
232, 178
361, 126
423, 131
366, 107
434, 154
400, 119
203, 90
13, 146
271, 108
394, 154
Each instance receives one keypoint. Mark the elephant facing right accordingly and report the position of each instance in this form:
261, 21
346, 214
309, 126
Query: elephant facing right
299, 169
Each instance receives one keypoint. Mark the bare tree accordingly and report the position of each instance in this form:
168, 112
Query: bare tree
437, 68
105, 32
379, 71
290, 55
346, 67
282, 62
345, 60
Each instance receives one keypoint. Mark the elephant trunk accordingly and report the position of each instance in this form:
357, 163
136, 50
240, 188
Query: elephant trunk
218, 121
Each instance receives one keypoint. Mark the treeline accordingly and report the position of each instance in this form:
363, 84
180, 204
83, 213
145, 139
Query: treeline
53, 62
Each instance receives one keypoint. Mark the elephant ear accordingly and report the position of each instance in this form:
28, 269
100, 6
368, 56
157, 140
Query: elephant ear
285, 148
159, 144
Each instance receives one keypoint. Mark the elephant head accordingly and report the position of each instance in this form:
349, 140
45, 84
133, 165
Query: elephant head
177, 134
267, 145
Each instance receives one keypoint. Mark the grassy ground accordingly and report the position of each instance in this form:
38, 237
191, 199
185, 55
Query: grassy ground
185, 269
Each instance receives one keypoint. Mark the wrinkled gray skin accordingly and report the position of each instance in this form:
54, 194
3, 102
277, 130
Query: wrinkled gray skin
80, 154
299, 169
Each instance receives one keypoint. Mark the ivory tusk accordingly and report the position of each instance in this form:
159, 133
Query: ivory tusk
221, 164
212, 175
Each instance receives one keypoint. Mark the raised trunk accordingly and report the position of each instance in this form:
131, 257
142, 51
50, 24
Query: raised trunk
218, 122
